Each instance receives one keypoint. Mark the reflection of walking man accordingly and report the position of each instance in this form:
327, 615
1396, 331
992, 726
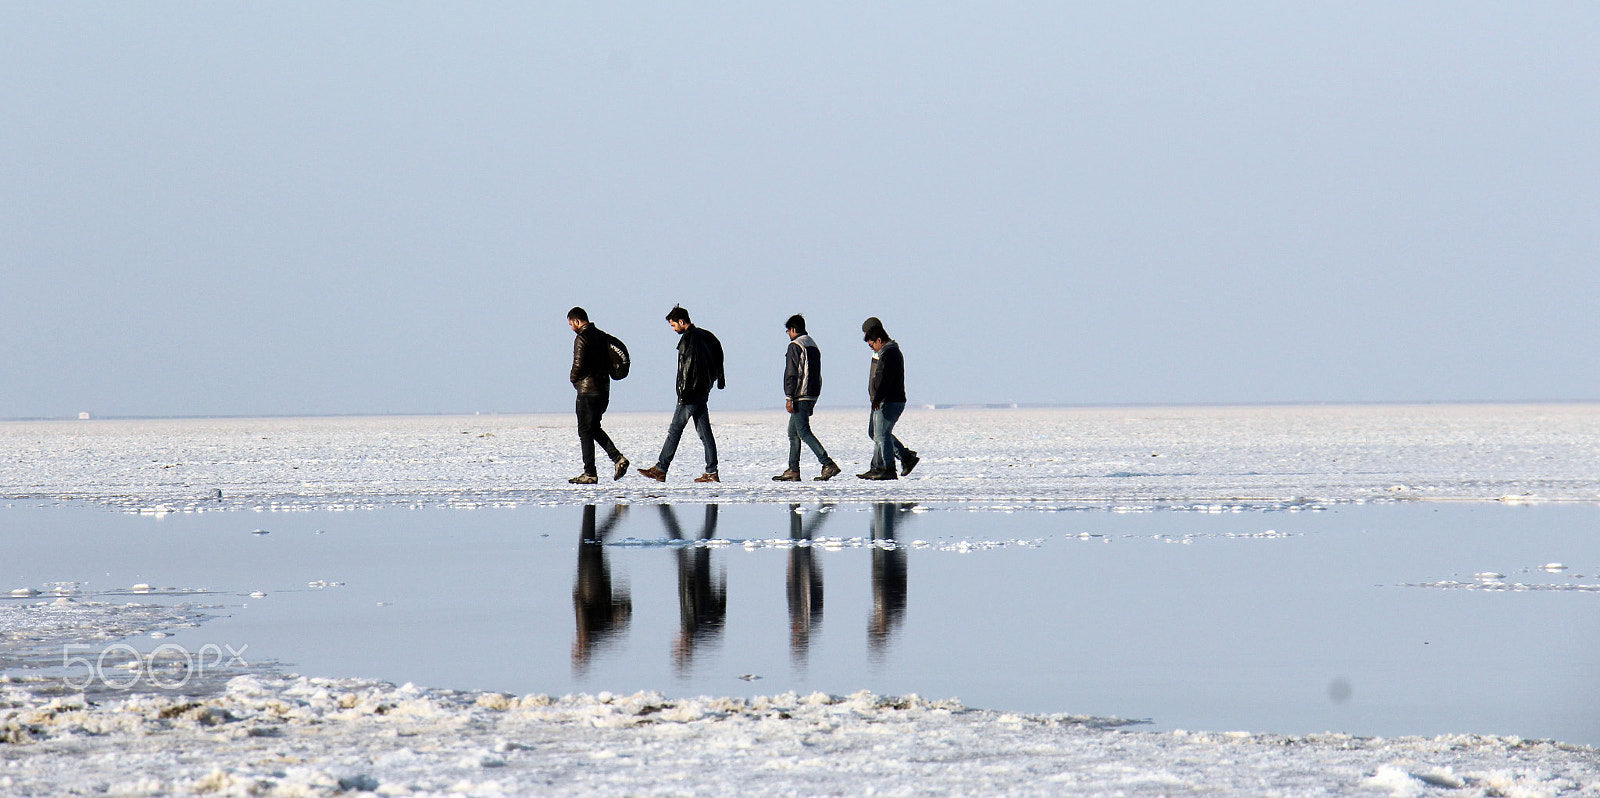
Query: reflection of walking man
699, 367
591, 376
702, 595
804, 583
802, 385
603, 611
888, 578
887, 388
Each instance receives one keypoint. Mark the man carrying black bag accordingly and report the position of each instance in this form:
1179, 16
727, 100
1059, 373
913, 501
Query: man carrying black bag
592, 369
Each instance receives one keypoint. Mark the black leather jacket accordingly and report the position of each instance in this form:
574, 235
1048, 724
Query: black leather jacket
591, 362
699, 365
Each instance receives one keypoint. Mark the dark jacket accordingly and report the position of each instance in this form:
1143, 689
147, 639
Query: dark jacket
591, 362
802, 370
887, 382
699, 365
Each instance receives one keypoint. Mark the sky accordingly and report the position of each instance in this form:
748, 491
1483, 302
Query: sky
387, 207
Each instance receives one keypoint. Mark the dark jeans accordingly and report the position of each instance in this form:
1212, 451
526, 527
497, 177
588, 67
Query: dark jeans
702, 425
800, 431
886, 448
590, 408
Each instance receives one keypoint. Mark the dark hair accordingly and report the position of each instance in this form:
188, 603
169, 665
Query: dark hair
797, 323
877, 333
578, 313
678, 314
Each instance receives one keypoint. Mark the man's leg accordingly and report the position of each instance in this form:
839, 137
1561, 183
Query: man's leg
897, 450
598, 405
875, 421
588, 422
800, 430
680, 418
702, 425
794, 439
886, 416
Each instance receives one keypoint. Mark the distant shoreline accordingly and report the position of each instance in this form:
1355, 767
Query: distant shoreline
861, 407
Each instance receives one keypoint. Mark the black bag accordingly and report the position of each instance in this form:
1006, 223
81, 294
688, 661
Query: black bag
618, 352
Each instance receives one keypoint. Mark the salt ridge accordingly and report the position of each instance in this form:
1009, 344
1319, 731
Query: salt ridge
294, 736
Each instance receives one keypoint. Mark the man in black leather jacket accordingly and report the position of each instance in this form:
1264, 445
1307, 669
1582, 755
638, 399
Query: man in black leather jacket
591, 376
699, 368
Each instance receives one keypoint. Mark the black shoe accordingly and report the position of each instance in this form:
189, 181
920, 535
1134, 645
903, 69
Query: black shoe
908, 461
878, 474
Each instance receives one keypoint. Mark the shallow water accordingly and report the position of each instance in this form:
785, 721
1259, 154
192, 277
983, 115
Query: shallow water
1363, 619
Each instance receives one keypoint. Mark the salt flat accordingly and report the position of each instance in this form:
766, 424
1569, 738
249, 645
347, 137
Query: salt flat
297, 737
276, 734
1092, 457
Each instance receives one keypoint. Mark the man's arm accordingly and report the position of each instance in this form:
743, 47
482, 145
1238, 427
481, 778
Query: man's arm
791, 374
875, 380
578, 352
894, 367
791, 371
716, 361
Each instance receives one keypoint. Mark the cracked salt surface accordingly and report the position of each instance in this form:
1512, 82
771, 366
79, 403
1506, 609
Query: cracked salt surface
297, 736
277, 735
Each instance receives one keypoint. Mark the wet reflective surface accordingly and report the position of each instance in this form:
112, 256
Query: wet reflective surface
1391, 619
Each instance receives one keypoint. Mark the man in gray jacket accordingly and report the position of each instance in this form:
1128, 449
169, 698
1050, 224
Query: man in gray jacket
802, 385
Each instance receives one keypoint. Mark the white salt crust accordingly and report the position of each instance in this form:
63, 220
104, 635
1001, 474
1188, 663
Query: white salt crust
1113, 458
290, 736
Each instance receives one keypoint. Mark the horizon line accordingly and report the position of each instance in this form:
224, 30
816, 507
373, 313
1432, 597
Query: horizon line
909, 406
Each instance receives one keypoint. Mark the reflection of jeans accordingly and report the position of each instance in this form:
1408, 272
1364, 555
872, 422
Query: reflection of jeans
800, 431
886, 448
702, 425
590, 408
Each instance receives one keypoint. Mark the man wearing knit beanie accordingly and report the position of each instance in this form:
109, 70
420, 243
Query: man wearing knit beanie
886, 387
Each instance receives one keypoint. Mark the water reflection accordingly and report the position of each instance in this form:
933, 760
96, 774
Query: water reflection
603, 611
888, 578
702, 595
804, 583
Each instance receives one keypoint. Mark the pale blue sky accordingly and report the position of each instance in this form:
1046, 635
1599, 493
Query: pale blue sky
286, 208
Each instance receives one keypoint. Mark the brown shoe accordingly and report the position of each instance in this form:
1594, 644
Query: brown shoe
709, 476
622, 469
653, 473
829, 471
787, 476
584, 479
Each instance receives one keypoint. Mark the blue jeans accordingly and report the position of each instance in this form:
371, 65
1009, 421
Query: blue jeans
702, 425
886, 448
800, 431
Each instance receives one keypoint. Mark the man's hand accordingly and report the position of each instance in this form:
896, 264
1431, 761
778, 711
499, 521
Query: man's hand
789, 405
